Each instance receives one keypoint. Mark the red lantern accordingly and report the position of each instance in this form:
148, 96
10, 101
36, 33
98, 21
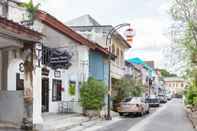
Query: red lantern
129, 35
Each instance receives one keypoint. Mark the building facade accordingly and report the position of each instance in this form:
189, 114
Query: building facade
175, 84
64, 59
18, 68
92, 30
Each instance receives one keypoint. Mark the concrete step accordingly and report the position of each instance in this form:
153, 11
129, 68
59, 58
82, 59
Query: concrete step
7, 126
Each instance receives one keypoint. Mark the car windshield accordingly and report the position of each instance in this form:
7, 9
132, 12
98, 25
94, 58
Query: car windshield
127, 99
136, 100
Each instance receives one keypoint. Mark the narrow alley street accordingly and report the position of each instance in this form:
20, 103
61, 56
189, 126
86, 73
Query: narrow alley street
98, 65
169, 117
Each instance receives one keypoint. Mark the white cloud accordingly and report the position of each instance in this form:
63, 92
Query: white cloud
150, 40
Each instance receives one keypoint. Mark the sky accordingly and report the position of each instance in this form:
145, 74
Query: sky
149, 19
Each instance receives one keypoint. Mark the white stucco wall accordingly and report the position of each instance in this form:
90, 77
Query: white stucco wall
13, 68
16, 13
55, 39
37, 91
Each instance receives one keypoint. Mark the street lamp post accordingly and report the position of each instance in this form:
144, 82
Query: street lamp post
108, 43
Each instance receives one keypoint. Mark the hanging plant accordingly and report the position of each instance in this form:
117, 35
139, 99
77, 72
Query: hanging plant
31, 9
71, 89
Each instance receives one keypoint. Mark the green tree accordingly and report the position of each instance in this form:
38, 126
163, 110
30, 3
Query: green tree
165, 73
126, 87
185, 37
191, 95
31, 8
92, 94
185, 29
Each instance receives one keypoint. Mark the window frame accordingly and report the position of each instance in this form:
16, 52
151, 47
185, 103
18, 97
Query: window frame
19, 82
58, 96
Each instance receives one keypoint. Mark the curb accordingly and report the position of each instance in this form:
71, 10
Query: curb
75, 125
71, 126
9, 126
189, 117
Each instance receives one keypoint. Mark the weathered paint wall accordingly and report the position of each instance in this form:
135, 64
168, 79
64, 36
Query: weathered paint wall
1, 70
13, 68
13, 10
5, 56
14, 111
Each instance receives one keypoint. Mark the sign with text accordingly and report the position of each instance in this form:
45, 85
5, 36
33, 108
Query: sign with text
60, 59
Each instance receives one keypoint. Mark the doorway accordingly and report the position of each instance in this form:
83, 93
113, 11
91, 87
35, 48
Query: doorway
45, 94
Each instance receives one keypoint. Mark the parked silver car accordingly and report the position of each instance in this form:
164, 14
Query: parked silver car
153, 101
133, 105
162, 98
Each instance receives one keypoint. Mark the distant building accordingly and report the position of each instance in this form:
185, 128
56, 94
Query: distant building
150, 63
91, 29
175, 84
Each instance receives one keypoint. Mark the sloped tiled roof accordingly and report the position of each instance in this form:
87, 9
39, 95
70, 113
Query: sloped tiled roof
18, 29
59, 26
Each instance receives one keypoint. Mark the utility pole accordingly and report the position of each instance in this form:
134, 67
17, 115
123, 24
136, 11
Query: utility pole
149, 86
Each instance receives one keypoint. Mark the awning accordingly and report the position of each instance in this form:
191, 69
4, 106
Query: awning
136, 60
139, 61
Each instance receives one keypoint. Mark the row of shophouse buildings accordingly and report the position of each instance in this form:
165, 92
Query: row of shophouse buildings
40, 60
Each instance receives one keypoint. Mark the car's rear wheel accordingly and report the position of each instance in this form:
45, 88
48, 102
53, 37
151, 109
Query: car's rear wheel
121, 114
140, 113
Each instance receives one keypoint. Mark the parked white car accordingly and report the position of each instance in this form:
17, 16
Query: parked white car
133, 105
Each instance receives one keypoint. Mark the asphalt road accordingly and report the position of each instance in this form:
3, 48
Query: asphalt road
127, 122
169, 117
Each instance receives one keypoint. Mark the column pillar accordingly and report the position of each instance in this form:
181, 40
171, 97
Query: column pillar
37, 95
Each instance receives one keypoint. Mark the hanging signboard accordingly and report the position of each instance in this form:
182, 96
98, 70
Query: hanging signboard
59, 59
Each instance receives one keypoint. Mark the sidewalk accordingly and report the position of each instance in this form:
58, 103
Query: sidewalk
63, 122
192, 115
60, 122
9, 127
95, 125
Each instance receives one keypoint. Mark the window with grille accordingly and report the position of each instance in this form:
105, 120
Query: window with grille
56, 90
